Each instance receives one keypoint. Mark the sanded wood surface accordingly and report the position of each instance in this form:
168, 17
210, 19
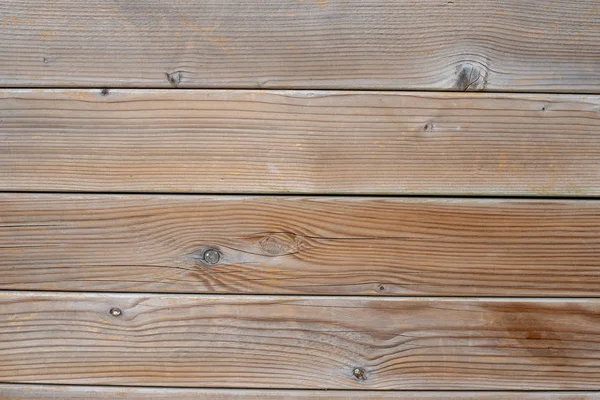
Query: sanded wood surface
299, 342
299, 142
300, 245
39, 392
535, 45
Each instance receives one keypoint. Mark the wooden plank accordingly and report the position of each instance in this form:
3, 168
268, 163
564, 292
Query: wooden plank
299, 142
403, 44
300, 245
40, 392
296, 245
300, 342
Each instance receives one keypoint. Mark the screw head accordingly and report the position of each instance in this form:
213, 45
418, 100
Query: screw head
211, 256
359, 373
116, 312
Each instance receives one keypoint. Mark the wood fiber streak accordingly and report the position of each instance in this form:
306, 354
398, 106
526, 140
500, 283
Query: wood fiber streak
504, 45
299, 342
300, 245
299, 142
43, 392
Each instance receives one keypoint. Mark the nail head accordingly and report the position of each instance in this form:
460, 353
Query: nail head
211, 256
116, 312
359, 373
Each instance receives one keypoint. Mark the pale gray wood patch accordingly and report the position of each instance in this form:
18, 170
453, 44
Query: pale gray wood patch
509, 45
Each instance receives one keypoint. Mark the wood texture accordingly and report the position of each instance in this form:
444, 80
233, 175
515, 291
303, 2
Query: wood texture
114, 289
299, 142
302, 342
300, 245
40, 392
537, 45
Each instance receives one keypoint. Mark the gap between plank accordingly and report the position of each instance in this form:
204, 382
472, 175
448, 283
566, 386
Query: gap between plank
275, 390
303, 89
94, 293
304, 194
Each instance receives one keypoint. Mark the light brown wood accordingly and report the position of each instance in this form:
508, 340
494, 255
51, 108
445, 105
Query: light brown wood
300, 245
40, 392
164, 266
300, 142
535, 45
299, 342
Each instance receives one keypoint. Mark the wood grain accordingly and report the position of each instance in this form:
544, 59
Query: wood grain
300, 245
512, 45
40, 392
299, 142
299, 342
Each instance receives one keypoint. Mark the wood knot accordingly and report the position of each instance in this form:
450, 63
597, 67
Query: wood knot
174, 78
470, 77
280, 243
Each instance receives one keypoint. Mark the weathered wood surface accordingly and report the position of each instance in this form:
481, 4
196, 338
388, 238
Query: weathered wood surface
301, 142
39, 392
299, 342
535, 45
300, 245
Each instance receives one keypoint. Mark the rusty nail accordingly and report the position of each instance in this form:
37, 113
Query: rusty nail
359, 373
116, 312
211, 256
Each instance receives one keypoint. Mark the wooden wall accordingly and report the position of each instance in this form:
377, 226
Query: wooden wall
300, 199
500, 45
